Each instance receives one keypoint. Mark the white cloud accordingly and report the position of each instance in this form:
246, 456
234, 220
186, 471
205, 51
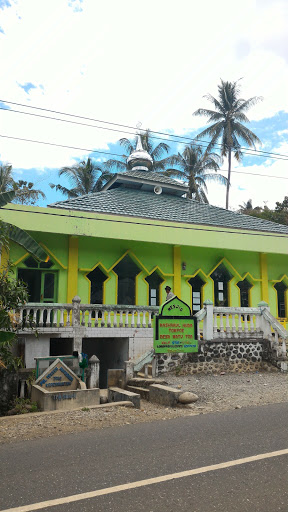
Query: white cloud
127, 62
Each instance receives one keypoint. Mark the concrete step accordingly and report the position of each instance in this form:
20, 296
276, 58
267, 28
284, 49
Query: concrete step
144, 382
143, 392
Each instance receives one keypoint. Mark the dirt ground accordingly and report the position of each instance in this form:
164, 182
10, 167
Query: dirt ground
215, 392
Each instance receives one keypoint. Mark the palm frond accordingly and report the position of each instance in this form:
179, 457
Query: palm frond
247, 135
215, 102
22, 238
126, 143
66, 191
160, 150
115, 165
6, 197
176, 173
216, 178
246, 104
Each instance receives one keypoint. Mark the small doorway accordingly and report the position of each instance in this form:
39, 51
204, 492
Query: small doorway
244, 287
281, 302
197, 284
111, 352
154, 281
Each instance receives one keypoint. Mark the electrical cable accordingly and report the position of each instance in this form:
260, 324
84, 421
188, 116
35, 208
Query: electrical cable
116, 154
249, 151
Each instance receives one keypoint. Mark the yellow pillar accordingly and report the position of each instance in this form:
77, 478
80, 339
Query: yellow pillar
72, 286
4, 257
177, 270
264, 277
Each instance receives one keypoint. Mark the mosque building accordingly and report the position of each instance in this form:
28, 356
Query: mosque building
125, 244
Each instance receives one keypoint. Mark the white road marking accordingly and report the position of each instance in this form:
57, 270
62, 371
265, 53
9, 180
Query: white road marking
143, 483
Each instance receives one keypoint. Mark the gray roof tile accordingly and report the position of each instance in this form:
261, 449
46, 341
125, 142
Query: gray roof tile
137, 203
152, 176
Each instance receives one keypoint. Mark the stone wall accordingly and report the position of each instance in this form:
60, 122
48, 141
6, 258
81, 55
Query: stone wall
218, 356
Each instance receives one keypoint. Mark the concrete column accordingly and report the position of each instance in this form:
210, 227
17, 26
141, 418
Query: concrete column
177, 270
72, 285
129, 370
208, 321
22, 388
77, 329
95, 371
264, 277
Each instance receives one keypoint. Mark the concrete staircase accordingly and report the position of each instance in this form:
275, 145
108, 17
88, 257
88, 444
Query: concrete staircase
141, 385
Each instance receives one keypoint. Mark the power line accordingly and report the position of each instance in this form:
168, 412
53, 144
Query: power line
116, 154
249, 151
60, 145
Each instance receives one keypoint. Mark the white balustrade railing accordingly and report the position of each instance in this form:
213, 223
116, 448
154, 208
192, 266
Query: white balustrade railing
46, 316
236, 323
95, 315
275, 333
217, 322
53, 315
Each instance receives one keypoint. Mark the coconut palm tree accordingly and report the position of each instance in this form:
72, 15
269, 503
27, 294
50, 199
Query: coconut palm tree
17, 235
25, 193
85, 178
192, 167
246, 207
227, 118
156, 152
6, 179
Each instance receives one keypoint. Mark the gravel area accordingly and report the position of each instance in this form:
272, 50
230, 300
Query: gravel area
215, 392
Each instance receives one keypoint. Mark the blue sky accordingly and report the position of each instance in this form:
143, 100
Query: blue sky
117, 62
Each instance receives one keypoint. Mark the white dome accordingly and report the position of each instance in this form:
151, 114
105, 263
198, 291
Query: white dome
139, 159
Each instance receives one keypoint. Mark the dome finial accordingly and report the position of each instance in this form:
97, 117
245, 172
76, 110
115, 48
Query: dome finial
139, 159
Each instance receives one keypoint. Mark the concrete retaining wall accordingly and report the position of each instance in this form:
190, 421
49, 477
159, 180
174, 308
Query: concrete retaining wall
64, 400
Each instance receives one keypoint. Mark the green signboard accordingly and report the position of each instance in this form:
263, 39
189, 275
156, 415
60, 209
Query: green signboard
175, 328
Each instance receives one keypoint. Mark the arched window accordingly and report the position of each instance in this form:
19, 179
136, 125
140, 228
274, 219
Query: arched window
244, 287
197, 299
154, 281
127, 271
221, 277
97, 278
281, 289
40, 278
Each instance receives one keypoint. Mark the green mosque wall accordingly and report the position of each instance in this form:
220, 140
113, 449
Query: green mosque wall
158, 255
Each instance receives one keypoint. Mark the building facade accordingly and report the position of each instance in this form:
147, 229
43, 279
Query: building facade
125, 244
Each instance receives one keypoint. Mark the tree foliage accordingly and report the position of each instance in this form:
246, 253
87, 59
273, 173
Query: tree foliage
18, 235
25, 193
85, 178
12, 294
227, 126
192, 167
279, 214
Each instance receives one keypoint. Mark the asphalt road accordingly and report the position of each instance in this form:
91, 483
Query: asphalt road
44, 469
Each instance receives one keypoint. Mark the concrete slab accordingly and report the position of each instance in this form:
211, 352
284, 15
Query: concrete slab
117, 394
164, 395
